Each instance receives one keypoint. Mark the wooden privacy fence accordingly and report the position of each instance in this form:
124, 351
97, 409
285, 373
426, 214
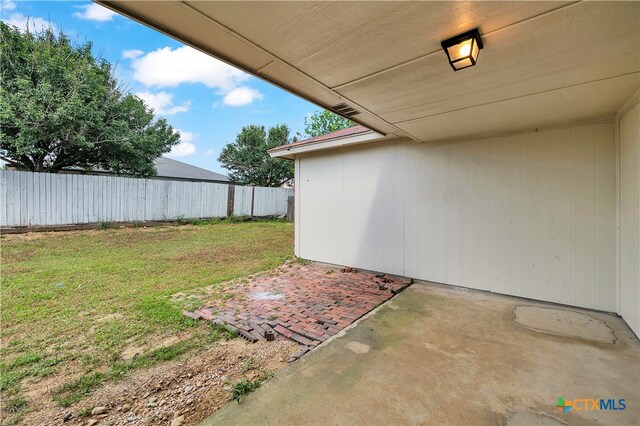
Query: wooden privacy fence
40, 199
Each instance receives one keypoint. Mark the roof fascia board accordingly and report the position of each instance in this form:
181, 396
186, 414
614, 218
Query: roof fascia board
291, 152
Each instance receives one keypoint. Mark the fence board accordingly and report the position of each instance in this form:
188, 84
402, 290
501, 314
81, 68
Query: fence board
38, 199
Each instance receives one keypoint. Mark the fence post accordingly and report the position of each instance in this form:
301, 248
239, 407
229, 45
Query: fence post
290, 207
230, 199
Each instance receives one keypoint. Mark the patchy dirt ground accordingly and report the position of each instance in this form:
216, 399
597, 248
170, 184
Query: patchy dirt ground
173, 393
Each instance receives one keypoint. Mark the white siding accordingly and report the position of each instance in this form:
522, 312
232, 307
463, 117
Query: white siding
629, 218
531, 214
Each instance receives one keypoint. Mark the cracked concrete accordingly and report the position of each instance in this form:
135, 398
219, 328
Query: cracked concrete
564, 322
441, 355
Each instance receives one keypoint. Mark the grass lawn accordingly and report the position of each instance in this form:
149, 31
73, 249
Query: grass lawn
73, 302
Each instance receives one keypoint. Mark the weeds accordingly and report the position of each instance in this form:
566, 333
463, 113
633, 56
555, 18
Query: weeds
222, 331
74, 391
16, 404
244, 387
250, 364
85, 412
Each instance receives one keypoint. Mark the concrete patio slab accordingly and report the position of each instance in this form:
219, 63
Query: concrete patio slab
442, 355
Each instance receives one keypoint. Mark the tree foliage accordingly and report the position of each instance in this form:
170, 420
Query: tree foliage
60, 106
323, 122
248, 161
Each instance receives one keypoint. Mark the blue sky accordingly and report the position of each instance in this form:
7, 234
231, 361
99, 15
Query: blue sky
207, 101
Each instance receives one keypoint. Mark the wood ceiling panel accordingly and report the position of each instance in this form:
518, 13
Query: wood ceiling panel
545, 109
338, 42
578, 44
176, 20
530, 57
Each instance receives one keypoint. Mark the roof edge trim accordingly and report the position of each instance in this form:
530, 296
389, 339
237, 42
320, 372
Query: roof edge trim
289, 152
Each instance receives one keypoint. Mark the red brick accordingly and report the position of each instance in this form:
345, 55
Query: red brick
316, 305
280, 329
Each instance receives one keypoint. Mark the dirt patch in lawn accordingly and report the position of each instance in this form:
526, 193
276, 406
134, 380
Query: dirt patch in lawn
192, 388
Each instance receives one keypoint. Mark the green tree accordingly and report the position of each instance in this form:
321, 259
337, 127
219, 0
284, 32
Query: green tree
323, 122
248, 161
60, 106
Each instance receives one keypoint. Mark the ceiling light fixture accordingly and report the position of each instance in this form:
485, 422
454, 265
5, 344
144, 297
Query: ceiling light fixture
462, 50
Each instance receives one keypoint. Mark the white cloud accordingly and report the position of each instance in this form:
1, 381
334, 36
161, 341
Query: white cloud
132, 54
95, 12
7, 5
208, 152
22, 22
241, 96
168, 67
162, 103
185, 147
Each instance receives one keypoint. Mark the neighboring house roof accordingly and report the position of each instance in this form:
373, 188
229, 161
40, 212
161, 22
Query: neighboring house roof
169, 168
349, 136
166, 168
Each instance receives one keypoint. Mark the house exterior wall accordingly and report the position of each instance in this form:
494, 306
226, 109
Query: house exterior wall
629, 217
531, 215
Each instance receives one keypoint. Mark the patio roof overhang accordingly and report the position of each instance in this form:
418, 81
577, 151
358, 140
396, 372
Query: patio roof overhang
543, 63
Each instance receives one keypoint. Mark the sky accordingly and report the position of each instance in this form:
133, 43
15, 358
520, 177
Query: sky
206, 100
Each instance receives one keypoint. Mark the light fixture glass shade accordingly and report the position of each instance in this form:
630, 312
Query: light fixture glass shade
463, 50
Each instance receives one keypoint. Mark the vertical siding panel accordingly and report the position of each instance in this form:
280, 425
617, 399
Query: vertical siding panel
560, 207
466, 203
437, 207
501, 166
482, 214
392, 218
605, 217
518, 203
538, 282
451, 211
583, 240
423, 184
297, 206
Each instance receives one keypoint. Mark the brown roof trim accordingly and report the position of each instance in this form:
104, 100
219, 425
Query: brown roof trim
350, 131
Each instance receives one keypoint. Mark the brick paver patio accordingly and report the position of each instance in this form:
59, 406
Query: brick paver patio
307, 303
